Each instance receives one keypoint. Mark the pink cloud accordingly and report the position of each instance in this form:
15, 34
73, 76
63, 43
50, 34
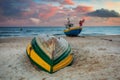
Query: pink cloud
63, 2
95, 21
113, 21
48, 12
69, 2
28, 13
43, 12
82, 8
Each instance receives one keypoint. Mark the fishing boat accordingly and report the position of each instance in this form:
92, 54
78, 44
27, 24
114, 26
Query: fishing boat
73, 31
49, 53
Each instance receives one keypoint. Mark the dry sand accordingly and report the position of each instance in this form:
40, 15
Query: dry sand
95, 58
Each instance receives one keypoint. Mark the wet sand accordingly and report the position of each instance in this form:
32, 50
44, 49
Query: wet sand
95, 58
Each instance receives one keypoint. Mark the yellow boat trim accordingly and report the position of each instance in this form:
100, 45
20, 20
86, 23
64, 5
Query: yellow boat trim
72, 28
28, 49
37, 59
63, 63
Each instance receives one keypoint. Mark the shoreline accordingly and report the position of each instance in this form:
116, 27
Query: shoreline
95, 58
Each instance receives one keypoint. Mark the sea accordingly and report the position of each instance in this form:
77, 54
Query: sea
57, 31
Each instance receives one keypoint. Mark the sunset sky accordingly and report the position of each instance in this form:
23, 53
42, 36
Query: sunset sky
55, 12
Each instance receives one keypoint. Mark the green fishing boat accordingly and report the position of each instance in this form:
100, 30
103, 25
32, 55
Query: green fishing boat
49, 53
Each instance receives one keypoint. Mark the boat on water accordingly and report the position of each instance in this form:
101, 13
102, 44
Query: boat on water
49, 53
72, 30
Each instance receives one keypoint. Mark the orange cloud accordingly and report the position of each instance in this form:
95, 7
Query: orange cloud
113, 6
69, 2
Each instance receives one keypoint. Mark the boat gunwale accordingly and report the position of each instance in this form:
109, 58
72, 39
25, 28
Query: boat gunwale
45, 57
52, 66
72, 28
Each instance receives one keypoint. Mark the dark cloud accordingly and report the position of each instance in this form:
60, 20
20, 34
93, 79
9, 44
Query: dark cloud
104, 13
12, 7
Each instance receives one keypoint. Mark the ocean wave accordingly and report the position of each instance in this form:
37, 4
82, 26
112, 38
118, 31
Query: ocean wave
57, 31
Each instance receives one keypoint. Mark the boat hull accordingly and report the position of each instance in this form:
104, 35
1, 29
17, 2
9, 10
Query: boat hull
38, 57
73, 31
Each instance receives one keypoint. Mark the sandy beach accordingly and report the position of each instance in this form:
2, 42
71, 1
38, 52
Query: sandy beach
95, 58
